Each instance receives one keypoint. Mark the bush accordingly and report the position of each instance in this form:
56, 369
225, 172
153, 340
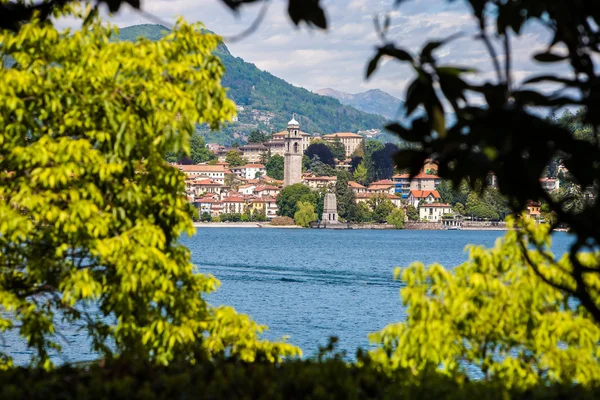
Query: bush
205, 217
282, 221
317, 379
396, 218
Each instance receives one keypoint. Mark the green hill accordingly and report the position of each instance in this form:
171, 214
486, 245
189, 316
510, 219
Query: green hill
268, 102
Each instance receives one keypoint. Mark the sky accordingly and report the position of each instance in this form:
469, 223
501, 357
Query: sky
337, 58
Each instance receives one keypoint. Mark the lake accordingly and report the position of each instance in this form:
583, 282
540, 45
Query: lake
308, 284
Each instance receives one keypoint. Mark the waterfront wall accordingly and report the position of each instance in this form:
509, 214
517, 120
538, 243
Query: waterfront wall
423, 226
472, 225
499, 225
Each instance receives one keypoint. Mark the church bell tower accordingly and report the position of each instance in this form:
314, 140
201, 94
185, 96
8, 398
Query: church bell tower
292, 166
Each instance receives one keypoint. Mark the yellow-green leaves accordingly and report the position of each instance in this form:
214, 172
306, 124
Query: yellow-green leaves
89, 211
493, 315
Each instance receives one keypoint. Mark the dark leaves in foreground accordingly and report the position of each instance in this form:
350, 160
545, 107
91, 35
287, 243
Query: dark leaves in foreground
509, 135
13, 14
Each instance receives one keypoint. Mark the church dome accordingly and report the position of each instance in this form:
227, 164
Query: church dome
293, 122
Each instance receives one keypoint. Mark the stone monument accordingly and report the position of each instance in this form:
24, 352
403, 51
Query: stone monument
330, 214
292, 165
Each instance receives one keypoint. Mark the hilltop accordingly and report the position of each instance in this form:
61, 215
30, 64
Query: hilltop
267, 102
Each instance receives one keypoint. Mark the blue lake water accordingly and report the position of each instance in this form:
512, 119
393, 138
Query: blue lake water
308, 284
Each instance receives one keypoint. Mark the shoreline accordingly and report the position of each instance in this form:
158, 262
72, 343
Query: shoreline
242, 225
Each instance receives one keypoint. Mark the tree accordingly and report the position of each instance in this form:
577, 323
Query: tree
199, 153
257, 136
275, 167
446, 192
337, 149
93, 214
383, 161
289, 197
371, 146
234, 159
381, 206
322, 151
320, 169
205, 217
535, 337
363, 212
412, 213
345, 197
360, 174
396, 218
305, 214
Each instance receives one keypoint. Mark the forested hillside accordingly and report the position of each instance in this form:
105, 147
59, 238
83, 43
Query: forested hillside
269, 101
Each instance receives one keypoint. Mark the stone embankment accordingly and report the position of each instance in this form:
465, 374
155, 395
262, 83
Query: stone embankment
242, 225
464, 225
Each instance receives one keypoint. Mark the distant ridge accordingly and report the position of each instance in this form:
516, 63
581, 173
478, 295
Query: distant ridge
374, 101
268, 102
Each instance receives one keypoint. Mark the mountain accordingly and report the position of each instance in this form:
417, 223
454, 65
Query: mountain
372, 101
267, 102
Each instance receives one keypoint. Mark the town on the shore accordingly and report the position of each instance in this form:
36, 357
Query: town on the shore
324, 180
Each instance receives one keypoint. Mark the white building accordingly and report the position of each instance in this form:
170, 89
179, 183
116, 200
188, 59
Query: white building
428, 196
203, 171
549, 184
434, 212
249, 171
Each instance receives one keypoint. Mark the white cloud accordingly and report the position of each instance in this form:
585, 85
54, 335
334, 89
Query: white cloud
337, 58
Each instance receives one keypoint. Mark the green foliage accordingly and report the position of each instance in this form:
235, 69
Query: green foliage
396, 218
319, 168
371, 146
305, 214
205, 217
360, 174
322, 151
257, 136
231, 217
199, 153
337, 149
476, 208
91, 213
346, 199
446, 191
235, 159
289, 197
363, 212
275, 167
495, 314
412, 213
500, 133
329, 377
381, 207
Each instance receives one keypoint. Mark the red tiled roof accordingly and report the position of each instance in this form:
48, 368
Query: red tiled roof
204, 182
383, 182
265, 187
320, 178
369, 195
233, 199
421, 194
437, 205
355, 185
423, 175
342, 135
253, 166
201, 168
